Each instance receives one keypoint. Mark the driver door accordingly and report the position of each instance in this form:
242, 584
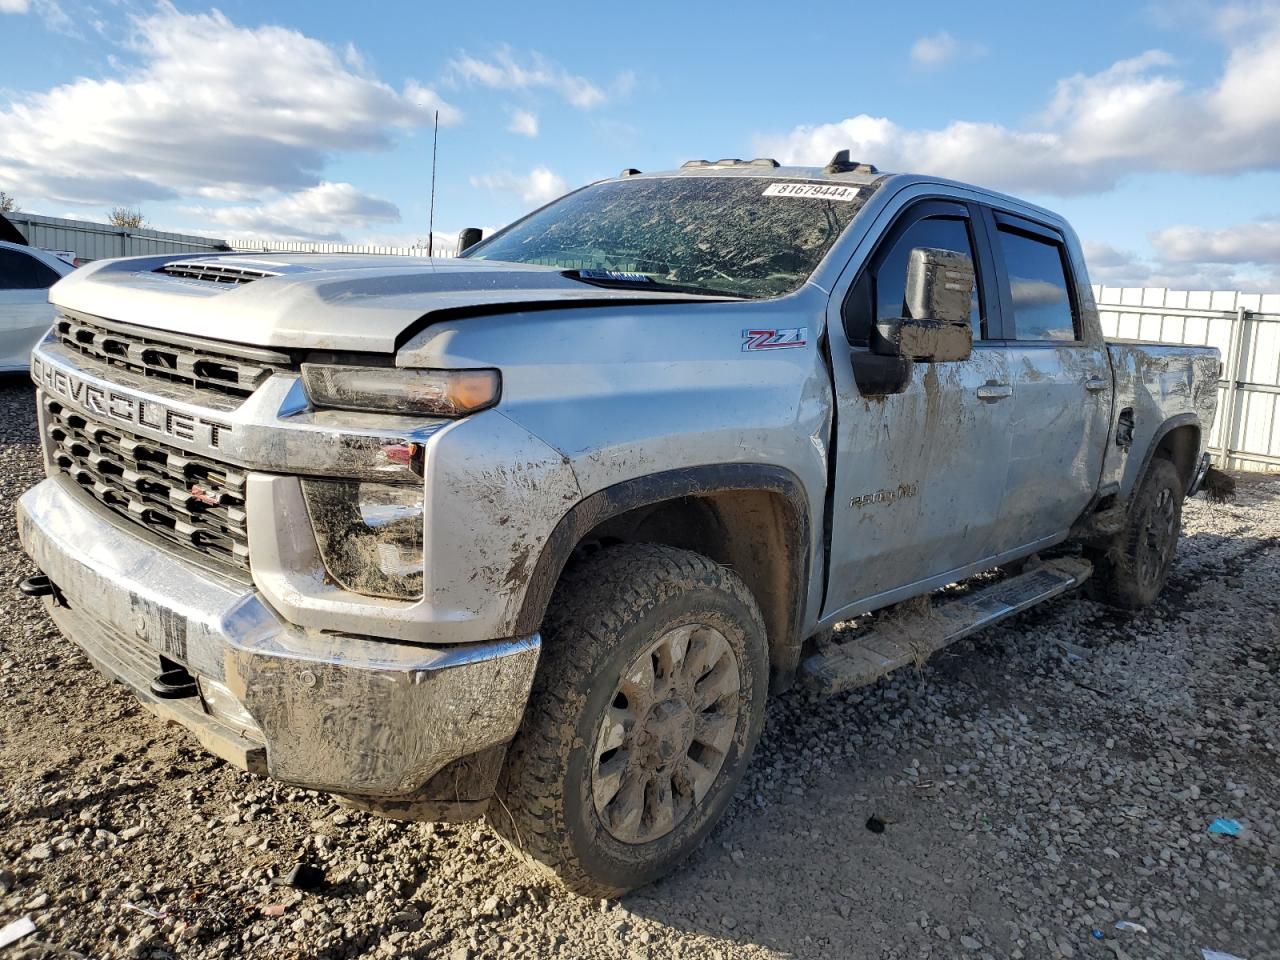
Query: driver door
919, 473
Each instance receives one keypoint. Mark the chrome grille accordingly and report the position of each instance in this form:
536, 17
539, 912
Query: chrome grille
215, 272
180, 359
190, 500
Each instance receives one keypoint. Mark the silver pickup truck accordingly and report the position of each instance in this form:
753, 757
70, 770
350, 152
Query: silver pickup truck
549, 522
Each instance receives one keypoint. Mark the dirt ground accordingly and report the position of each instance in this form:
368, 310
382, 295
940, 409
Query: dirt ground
1033, 787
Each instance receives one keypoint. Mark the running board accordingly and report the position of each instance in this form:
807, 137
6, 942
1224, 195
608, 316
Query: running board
915, 633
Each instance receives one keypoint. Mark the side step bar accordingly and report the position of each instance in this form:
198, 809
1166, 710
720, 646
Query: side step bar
915, 634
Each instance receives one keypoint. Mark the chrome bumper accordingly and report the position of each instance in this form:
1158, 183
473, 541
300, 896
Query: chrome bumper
332, 712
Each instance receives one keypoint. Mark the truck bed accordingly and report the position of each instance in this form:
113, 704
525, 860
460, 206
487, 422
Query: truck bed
1159, 383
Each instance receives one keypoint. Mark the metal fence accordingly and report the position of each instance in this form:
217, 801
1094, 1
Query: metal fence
1245, 327
97, 241
306, 246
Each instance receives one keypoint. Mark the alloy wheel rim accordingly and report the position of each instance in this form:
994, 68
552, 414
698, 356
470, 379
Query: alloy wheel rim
1159, 536
665, 734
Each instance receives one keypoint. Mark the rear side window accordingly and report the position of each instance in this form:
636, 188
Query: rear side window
1038, 287
881, 292
18, 271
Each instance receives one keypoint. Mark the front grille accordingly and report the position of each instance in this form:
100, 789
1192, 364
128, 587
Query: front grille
189, 500
179, 359
215, 272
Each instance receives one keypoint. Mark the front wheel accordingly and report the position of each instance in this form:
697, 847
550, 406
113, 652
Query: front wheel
1133, 571
647, 705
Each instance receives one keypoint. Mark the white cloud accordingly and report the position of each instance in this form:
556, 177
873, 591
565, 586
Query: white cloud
50, 11
935, 49
504, 71
1098, 254
938, 49
1198, 276
1112, 266
1257, 242
1183, 262
624, 83
55, 18
1137, 115
322, 212
1210, 276
540, 185
212, 110
524, 123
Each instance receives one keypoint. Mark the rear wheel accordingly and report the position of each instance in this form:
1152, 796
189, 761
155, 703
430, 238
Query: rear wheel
1133, 571
644, 714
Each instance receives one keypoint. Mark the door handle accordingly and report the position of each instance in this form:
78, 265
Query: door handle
991, 392
1095, 384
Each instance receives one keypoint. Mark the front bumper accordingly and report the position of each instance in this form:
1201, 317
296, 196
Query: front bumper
333, 712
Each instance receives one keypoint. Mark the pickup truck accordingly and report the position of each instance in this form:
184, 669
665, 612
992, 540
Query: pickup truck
549, 522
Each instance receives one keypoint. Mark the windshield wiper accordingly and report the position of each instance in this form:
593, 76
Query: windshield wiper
619, 280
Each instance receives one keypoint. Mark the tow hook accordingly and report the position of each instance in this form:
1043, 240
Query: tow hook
173, 682
37, 586
41, 586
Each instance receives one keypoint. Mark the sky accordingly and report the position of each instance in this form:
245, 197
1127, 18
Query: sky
1154, 127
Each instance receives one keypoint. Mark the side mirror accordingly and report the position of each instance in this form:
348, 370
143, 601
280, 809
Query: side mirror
468, 237
939, 294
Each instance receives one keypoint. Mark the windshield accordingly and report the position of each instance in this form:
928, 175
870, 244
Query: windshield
746, 236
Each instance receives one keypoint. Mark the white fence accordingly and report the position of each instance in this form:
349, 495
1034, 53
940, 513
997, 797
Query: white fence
444, 249
1245, 327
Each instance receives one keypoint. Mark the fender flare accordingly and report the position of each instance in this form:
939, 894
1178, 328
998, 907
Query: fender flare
657, 488
1166, 428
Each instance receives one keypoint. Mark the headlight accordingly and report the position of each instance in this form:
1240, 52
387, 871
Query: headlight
369, 534
437, 393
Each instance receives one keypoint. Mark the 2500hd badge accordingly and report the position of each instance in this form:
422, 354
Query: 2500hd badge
132, 410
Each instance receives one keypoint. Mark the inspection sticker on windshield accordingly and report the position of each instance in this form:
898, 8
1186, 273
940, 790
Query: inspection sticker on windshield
775, 339
813, 191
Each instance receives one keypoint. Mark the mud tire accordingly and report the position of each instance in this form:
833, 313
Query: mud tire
1131, 574
606, 610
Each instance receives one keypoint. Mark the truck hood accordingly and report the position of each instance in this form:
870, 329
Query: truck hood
320, 301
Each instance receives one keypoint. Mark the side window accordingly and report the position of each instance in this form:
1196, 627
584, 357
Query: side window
1038, 288
18, 271
881, 291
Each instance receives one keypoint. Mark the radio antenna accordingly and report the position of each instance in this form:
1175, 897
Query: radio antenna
431, 216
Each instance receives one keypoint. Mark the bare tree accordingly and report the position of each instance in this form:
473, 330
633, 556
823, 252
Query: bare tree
7, 203
130, 217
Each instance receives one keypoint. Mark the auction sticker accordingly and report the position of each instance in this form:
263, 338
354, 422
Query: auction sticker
812, 191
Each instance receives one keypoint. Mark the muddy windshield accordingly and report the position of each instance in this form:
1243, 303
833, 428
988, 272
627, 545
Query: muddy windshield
744, 236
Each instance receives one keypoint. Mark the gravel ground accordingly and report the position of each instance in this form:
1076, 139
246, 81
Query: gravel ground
1032, 786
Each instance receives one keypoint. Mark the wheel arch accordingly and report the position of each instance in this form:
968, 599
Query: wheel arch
752, 518
1178, 440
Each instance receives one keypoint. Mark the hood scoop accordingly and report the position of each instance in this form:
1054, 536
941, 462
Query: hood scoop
214, 272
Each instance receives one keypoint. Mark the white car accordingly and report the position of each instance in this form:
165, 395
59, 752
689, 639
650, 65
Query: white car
26, 274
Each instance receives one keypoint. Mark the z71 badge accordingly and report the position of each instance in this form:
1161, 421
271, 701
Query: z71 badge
775, 339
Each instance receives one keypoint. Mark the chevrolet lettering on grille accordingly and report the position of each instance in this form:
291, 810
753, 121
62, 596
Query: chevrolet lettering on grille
132, 410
